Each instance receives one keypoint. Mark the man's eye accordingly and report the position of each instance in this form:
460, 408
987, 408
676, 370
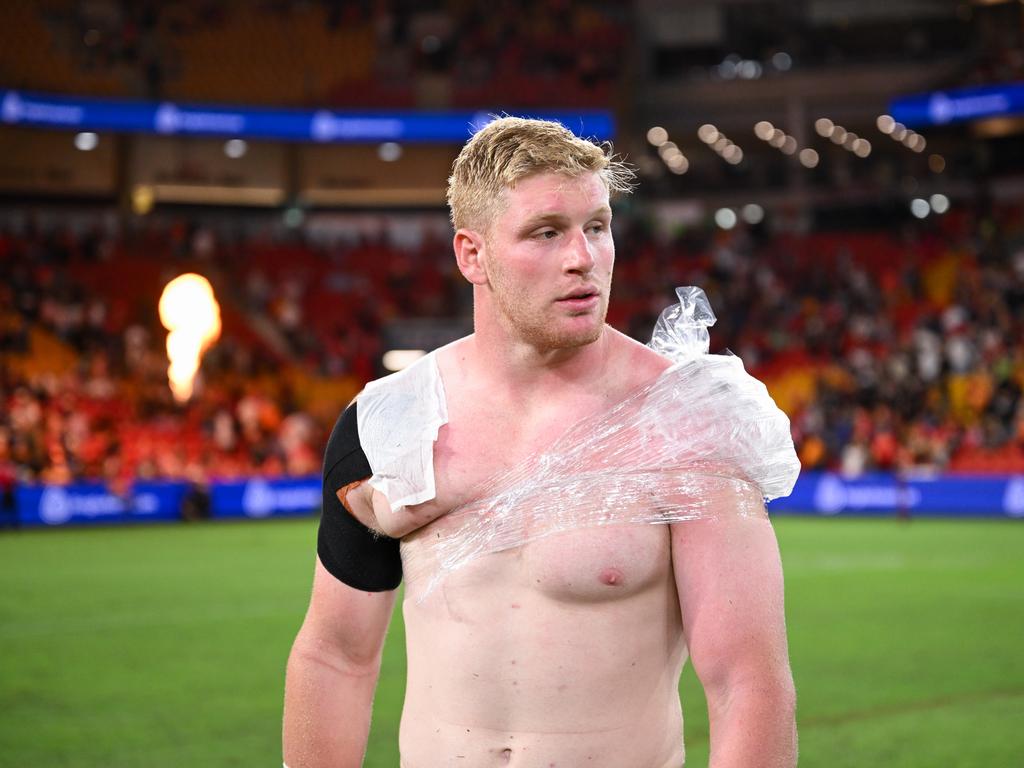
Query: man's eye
547, 234
597, 227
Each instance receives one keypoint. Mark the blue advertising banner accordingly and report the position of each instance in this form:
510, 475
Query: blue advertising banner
880, 494
321, 125
959, 105
258, 497
52, 505
817, 493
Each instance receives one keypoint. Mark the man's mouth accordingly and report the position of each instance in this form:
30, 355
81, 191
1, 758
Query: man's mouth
579, 293
581, 297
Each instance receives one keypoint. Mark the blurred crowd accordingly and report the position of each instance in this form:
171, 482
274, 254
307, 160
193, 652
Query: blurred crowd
889, 352
384, 53
399, 53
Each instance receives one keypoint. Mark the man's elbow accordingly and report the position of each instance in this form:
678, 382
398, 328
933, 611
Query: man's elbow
777, 689
780, 694
781, 691
309, 650
772, 691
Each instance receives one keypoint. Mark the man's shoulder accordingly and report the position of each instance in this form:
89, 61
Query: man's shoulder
399, 417
420, 368
637, 362
423, 369
413, 394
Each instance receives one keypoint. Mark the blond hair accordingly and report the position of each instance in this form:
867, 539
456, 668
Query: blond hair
508, 150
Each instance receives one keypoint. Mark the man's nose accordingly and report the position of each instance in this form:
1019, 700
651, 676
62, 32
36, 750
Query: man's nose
580, 256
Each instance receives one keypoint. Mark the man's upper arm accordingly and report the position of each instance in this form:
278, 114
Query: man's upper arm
357, 569
729, 577
349, 550
343, 624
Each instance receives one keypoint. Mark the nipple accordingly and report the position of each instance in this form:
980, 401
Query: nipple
611, 576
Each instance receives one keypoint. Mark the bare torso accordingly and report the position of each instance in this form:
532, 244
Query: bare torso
564, 652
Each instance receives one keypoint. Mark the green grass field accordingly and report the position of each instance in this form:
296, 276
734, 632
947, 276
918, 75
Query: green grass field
165, 646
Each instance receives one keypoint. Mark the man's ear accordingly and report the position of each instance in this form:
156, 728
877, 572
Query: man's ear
469, 249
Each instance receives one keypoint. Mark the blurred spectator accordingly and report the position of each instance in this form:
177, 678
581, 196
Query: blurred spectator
897, 353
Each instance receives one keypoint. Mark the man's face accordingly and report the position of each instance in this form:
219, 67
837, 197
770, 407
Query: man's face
549, 258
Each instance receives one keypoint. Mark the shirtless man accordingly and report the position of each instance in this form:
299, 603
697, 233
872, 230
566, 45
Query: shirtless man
566, 651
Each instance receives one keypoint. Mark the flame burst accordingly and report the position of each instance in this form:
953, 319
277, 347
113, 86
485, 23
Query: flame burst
189, 310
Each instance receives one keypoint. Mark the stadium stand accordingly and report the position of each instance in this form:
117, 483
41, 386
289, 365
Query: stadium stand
888, 352
893, 346
370, 55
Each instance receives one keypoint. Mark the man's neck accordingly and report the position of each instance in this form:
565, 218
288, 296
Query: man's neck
523, 370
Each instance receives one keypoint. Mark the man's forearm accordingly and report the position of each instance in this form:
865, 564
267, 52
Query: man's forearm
327, 708
754, 726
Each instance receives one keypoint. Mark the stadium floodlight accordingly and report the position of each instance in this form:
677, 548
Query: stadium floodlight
752, 213
782, 61
672, 156
808, 157
823, 127
939, 203
936, 163
389, 151
720, 143
657, 136
86, 141
885, 124
398, 359
708, 133
235, 148
293, 217
920, 207
677, 163
725, 218
764, 130
788, 146
748, 69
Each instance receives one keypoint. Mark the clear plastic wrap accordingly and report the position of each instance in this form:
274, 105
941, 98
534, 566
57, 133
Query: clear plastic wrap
703, 439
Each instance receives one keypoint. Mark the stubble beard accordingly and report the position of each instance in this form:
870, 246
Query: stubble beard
544, 330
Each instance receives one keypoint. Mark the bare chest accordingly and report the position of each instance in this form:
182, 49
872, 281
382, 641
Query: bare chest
472, 453
579, 561
488, 435
597, 563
